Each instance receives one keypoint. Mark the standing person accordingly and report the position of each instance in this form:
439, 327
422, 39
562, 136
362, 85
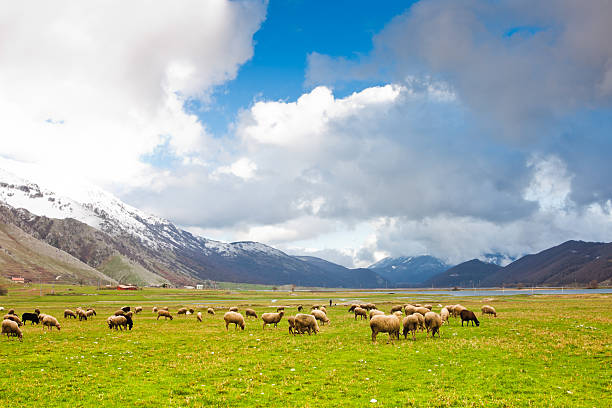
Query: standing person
329, 302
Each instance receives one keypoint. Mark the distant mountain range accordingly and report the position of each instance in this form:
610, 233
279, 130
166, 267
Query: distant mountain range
407, 271
89, 236
130, 246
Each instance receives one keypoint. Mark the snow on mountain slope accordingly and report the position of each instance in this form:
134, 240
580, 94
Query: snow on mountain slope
101, 210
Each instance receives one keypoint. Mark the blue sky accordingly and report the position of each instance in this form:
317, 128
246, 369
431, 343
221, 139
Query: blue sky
292, 30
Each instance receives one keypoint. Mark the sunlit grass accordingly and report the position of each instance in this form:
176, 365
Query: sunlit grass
540, 351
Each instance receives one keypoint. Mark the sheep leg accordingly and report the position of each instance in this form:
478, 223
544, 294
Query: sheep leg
373, 337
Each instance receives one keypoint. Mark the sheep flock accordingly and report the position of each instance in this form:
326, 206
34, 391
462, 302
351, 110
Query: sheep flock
401, 319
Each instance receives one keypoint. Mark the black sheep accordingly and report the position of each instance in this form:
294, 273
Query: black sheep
33, 317
125, 309
467, 316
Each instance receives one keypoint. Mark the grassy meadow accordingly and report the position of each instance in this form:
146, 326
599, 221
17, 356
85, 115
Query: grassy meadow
540, 351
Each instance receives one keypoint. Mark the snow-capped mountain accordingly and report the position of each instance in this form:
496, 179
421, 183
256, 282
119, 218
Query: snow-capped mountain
409, 270
148, 247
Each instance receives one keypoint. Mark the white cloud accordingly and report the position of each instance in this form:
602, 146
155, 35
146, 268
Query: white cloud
91, 87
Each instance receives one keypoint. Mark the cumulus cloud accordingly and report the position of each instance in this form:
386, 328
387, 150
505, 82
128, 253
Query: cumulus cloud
93, 87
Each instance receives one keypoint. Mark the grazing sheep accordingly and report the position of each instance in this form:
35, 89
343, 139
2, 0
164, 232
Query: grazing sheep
91, 309
11, 328
82, 314
433, 322
291, 320
235, 318
428, 307
11, 312
457, 309
154, 309
182, 311
51, 322
409, 309
370, 306
69, 313
122, 322
300, 307
250, 312
233, 309
210, 311
14, 318
421, 320
410, 324
396, 308
199, 316
398, 314
468, 316
486, 309
191, 311
109, 321
362, 313
41, 317
449, 308
120, 312
272, 318
138, 309
352, 308
444, 315
323, 309
32, 317
321, 316
375, 312
304, 322
166, 314
422, 310
90, 313
278, 309
385, 324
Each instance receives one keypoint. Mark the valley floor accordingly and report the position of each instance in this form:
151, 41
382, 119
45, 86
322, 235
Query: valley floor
540, 351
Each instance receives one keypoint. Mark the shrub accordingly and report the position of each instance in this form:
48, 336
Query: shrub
3, 291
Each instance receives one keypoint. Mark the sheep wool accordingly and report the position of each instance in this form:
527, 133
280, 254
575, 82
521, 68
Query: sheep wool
320, 316
306, 323
385, 324
272, 318
11, 328
233, 318
433, 322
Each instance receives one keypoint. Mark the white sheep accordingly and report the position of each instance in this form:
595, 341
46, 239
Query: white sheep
320, 316
272, 318
50, 322
11, 328
235, 318
433, 322
385, 324
304, 322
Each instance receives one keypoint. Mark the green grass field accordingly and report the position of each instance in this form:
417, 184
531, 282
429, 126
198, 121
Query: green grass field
540, 351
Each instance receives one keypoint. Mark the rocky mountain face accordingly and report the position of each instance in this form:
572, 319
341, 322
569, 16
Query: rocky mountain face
466, 274
134, 247
571, 262
409, 271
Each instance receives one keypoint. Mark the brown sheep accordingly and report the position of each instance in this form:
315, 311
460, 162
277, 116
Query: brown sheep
14, 318
421, 319
409, 309
69, 313
428, 307
272, 318
314, 307
278, 309
385, 324
250, 312
410, 324
375, 313
90, 313
51, 322
457, 310
468, 316
119, 312
323, 309
353, 307
182, 311
235, 318
138, 309
154, 309
166, 314
11, 328
233, 309
362, 313
304, 322
486, 309
320, 316
433, 322
291, 320
370, 306
444, 314
210, 311
91, 309
396, 308
422, 310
